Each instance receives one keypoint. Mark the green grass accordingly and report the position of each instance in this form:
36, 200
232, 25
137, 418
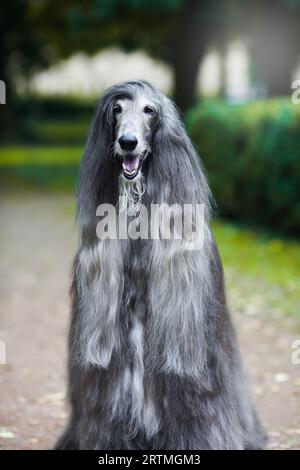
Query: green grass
40, 167
261, 271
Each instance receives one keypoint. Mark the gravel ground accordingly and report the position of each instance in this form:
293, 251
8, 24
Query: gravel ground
37, 242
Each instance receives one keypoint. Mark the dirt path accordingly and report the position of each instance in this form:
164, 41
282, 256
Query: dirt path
37, 242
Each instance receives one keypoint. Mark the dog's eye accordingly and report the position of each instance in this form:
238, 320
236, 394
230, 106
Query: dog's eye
117, 109
148, 110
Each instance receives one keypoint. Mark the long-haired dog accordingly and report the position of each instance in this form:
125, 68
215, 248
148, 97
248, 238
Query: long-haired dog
153, 357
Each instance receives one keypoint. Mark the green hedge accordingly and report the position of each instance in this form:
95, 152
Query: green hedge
252, 156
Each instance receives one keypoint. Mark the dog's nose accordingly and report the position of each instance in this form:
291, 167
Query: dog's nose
128, 142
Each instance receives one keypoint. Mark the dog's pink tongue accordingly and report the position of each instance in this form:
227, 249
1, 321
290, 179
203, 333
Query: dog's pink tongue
130, 164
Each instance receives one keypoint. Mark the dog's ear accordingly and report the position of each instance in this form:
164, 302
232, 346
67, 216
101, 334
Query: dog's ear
175, 162
97, 175
179, 280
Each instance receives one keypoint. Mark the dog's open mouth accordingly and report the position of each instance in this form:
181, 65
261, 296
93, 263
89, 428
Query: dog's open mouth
131, 165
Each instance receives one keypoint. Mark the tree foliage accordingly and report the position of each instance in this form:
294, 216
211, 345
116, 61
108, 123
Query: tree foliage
35, 33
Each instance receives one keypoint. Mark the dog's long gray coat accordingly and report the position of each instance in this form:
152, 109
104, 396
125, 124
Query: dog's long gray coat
153, 357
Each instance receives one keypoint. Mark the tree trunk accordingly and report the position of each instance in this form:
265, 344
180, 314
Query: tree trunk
273, 31
189, 44
185, 81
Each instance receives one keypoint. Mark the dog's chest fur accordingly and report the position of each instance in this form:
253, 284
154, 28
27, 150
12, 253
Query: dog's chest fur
134, 393
131, 397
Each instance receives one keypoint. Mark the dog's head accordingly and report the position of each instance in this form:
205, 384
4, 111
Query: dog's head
131, 113
137, 131
134, 119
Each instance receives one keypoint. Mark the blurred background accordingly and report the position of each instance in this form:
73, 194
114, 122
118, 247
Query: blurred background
232, 68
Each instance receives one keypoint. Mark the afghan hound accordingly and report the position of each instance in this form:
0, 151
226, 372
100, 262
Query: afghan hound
153, 356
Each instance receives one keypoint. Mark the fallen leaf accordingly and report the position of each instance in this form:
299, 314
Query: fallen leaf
281, 377
55, 398
274, 433
257, 390
6, 433
22, 400
293, 431
34, 440
284, 446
